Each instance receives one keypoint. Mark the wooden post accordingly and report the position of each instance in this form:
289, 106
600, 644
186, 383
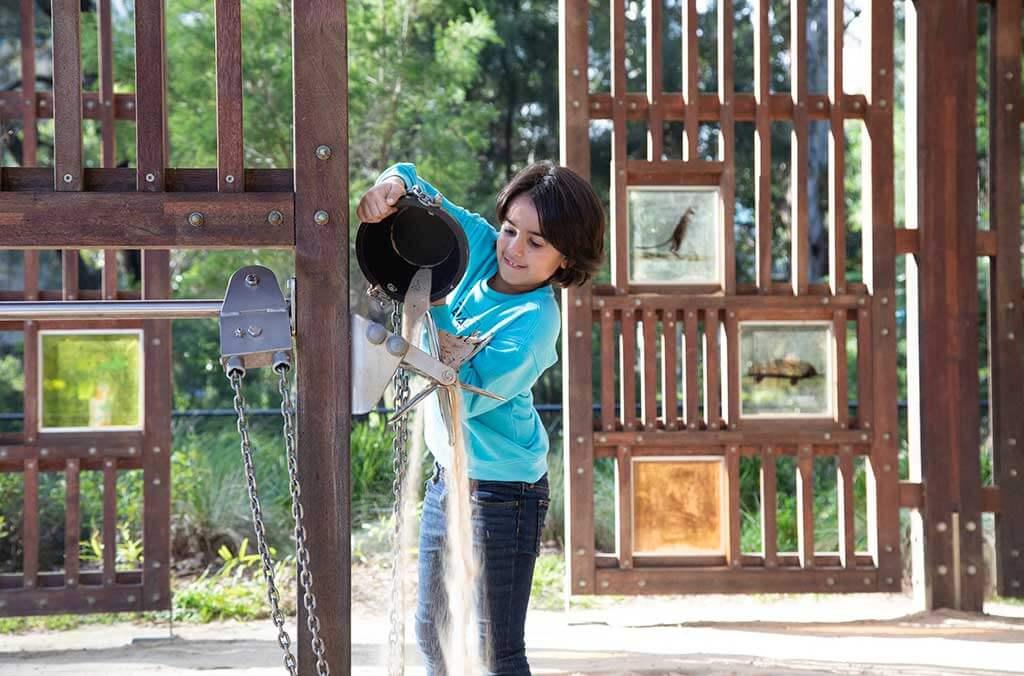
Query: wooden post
320, 78
1006, 330
947, 537
577, 399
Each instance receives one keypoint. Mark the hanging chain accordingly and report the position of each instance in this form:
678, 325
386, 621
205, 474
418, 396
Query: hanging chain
396, 636
273, 597
301, 552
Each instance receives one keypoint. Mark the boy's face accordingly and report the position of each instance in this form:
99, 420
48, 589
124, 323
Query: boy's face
525, 259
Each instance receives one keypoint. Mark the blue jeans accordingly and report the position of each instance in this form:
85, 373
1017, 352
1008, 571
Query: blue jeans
508, 517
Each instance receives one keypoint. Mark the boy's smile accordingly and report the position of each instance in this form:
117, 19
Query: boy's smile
525, 259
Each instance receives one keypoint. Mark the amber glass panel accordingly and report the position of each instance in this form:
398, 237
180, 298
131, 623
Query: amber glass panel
677, 506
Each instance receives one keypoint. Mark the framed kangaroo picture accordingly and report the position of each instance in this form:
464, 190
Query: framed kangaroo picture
674, 234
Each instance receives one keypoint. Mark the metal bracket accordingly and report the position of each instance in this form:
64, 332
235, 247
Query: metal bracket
254, 320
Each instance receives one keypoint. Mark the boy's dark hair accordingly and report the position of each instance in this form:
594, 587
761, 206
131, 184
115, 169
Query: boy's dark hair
571, 217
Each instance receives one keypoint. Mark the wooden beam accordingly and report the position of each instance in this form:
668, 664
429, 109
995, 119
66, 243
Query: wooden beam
148, 220
323, 373
122, 179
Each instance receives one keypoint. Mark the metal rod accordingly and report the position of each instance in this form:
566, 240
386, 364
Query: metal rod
111, 309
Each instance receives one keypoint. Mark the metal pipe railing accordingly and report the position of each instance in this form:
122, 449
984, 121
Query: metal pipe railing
111, 309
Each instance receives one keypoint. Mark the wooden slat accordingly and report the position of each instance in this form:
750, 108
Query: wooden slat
31, 285
911, 494
688, 580
67, 95
321, 262
732, 468
844, 493
109, 521
32, 389
987, 243
692, 412
865, 369
799, 150
618, 202
836, 151
156, 445
769, 507
880, 275
709, 108
69, 273
691, 128
23, 101
109, 290
649, 369
608, 369
712, 371
146, 220
727, 141
805, 507
763, 147
228, 16
842, 412
150, 88
104, 106
30, 525
624, 507
906, 241
627, 370
732, 351
655, 120
72, 522
1005, 314
669, 362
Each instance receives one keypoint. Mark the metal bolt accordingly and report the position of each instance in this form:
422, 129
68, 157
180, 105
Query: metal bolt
971, 570
239, 333
323, 152
860, 301
886, 436
1010, 336
575, 103
882, 72
867, 581
156, 597
67, 178
1009, 107
229, 179
971, 526
1014, 553
150, 178
1009, 306
156, 449
821, 105
582, 583
196, 219
885, 332
828, 436
1012, 441
275, 217
889, 580
3, 452
42, 602
321, 217
131, 450
888, 549
579, 334
1015, 583
131, 598
604, 584
109, 463
129, 104
579, 440
603, 439
92, 450
156, 481
1009, 75
1013, 472
941, 526
254, 331
639, 438
252, 280
581, 551
863, 437
44, 452
942, 570
642, 583
155, 341
824, 300
578, 303
882, 103
693, 426
579, 470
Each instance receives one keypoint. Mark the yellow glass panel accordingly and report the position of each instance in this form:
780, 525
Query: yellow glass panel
677, 506
91, 380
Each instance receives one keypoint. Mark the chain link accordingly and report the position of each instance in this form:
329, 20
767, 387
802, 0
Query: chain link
396, 635
301, 552
273, 597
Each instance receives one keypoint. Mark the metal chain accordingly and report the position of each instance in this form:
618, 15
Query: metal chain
273, 597
301, 552
396, 636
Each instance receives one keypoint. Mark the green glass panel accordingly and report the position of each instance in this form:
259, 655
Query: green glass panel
91, 380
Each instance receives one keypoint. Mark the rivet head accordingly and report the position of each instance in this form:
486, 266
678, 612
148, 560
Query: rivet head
942, 570
323, 152
150, 178
321, 217
941, 526
882, 71
252, 279
68, 178
275, 217
256, 332
229, 178
971, 526
196, 219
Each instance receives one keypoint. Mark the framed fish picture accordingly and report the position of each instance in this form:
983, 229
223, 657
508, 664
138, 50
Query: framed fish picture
674, 235
787, 369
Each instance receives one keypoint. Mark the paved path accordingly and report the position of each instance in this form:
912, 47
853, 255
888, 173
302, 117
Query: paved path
665, 636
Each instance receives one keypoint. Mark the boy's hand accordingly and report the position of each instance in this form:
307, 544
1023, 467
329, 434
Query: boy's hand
379, 201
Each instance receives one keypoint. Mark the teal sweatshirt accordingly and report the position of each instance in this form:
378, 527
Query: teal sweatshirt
505, 441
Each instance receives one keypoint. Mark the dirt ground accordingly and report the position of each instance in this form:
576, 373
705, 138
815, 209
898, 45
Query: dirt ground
810, 634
